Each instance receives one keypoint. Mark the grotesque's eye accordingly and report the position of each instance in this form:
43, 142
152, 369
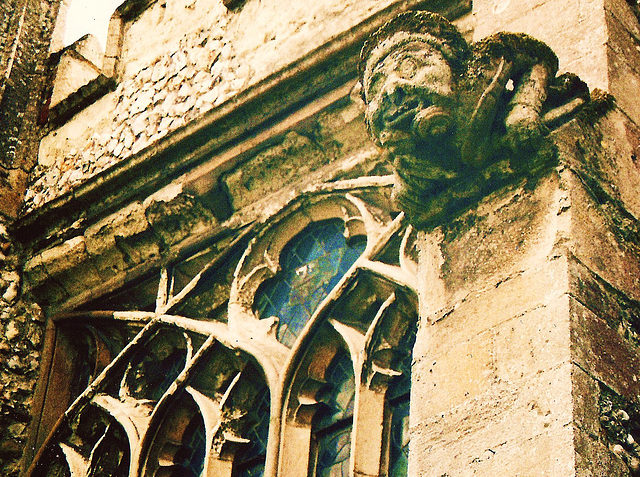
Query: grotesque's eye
408, 67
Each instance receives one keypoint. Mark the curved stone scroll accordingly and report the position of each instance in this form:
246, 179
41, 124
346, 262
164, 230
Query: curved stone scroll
459, 121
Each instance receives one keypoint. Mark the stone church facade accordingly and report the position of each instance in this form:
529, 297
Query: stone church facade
237, 243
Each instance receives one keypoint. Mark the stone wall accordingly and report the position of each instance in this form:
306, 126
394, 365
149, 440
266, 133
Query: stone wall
25, 33
528, 352
201, 56
530, 343
597, 40
22, 330
25, 28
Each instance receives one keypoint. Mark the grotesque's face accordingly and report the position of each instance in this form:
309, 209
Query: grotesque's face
408, 90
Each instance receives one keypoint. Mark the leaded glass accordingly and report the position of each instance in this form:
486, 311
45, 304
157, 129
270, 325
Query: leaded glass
399, 449
398, 398
312, 264
334, 450
333, 422
251, 461
189, 460
338, 397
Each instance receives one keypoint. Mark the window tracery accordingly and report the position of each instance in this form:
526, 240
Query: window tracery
318, 325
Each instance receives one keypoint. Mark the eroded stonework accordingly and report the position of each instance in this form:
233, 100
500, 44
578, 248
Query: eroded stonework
459, 121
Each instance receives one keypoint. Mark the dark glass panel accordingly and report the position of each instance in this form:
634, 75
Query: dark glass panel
398, 399
250, 462
333, 453
399, 448
332, 423
189, 459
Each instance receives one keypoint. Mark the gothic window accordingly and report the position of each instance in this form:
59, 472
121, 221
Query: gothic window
317, 324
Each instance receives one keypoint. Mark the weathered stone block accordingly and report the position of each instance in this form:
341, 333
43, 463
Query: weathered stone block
521, 294
586, 415
615, 165
509, 430
341, 131
505, 232
456, 373
603, 353
602, 235
623, 45
622, 12
620, 313
533, 342
595, 459
78, 65
36, 280
624, 84
69, 265
267, 172
177, 218
103, 238
572, 28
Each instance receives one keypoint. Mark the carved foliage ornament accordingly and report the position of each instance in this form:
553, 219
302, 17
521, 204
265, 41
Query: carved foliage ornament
458, 121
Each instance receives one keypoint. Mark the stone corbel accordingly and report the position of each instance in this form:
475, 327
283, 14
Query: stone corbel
458, 121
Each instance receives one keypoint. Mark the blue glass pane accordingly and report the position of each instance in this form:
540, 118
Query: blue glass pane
332, 423
312, 263
338, 397
251, 460
189, 460
334, 450
259, 430
398, 398
399, 449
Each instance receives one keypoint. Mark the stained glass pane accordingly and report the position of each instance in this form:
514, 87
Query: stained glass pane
399, 450
189, 460
333, 454
338, 397
398, 398
312, 264
333, 422
251, 461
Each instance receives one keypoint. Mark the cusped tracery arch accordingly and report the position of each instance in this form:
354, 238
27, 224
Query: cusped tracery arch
273, 377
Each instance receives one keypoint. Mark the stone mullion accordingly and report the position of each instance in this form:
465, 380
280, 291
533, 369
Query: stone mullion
295, 448
367, 436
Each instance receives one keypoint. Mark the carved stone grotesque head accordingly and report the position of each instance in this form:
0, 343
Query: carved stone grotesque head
457, 121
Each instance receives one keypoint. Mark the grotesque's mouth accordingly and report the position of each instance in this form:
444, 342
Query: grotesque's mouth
400, 116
